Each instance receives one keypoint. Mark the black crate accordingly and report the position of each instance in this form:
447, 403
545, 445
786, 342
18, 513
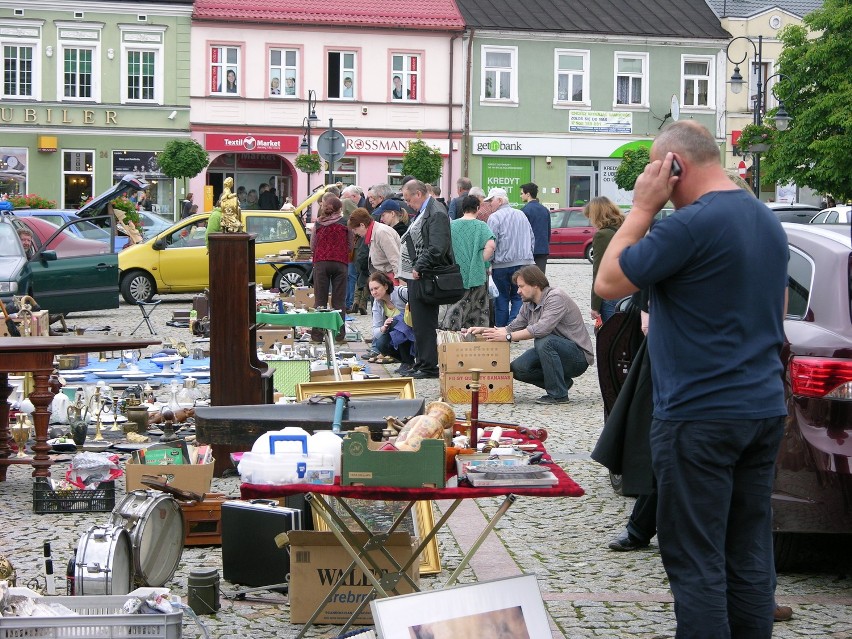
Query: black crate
46, 500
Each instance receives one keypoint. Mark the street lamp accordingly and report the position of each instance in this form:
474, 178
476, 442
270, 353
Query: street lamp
782, 118
305, 146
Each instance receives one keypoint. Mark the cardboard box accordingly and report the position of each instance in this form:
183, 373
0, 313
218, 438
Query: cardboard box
195, 478
494, 388
460, 357
317, 560
327, 375
363, 465
303, 297
266, 337
39, 327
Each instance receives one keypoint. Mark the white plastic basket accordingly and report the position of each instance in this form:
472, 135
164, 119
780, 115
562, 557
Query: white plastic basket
99, 617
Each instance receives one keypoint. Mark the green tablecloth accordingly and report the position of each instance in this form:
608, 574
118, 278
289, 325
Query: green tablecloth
330, 320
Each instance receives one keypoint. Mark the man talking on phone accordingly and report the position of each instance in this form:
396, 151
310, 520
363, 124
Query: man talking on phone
714, 342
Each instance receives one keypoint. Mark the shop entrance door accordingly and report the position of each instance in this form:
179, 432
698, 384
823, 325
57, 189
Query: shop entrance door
582, 184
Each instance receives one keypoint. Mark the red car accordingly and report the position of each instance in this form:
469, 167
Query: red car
571, 233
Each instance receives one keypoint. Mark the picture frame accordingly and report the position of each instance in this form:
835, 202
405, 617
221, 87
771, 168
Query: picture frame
421, 520
510, 607
396, 388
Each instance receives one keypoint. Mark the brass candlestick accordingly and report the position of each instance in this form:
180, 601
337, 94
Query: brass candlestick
21, 434
115, 426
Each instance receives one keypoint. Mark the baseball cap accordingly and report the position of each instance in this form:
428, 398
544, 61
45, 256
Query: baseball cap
496, 192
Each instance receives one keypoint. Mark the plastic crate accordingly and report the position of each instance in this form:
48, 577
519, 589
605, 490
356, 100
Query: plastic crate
99, 617
46, 500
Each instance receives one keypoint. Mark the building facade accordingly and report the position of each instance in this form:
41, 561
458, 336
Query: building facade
91, 91
257, 84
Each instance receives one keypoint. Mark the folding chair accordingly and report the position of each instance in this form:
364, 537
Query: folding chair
146, 308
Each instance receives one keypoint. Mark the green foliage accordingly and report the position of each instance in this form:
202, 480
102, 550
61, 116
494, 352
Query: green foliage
631, 167
31, 201
182, 158
308, 163
817, 56
755, 134
422, 161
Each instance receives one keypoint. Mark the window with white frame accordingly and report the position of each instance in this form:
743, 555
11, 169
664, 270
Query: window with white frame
345, 171
282, 72
405, 77
78, 176
499, 74
631, 79
753, 80
78, 72
224, 64
341, 75
18, 70
395, 172
141, 75
697, 82
572, 77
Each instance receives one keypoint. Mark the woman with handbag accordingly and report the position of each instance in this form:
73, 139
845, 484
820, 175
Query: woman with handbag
473, 246
392, 337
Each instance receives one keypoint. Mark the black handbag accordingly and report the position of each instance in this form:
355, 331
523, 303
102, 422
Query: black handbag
442, 285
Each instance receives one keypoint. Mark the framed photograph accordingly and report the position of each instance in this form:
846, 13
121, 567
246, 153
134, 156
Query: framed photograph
395, 388
380, 515
509, 607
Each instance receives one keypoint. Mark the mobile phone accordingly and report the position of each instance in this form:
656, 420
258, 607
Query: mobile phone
675, 167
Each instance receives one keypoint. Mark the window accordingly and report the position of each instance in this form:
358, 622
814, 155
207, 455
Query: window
631, 86
395, 173
282, 72
572, 77
800, 273
696, 82
765, 72
405, 77
341, 75
224, 62
77, 177
141, 75
499, 80
346, 171
78, 72
17, 71
270, 229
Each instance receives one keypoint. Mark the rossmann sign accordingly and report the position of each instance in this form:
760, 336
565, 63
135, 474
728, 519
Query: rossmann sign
360, 145
249, 143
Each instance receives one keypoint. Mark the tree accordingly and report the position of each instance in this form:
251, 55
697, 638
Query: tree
183, 158
817, 93
631, 167
422, 161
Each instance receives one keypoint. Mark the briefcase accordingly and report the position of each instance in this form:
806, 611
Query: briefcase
250, 555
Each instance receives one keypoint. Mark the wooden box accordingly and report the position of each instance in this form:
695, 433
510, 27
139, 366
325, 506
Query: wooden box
203, 521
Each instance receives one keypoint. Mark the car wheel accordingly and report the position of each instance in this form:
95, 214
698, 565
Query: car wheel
590, 253
786, 548
617, 483
137, 286
287, 279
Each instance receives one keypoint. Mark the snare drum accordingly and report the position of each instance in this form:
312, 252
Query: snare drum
154, 521
102, 565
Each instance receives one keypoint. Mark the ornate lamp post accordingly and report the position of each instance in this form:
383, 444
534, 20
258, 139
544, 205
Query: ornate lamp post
305, 146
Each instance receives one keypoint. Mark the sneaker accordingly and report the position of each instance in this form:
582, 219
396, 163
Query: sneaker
404, 370
548, 400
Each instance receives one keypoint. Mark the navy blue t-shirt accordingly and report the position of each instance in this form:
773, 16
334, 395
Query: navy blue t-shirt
539, 218
718, 272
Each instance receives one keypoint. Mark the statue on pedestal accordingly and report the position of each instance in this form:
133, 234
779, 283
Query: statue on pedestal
230, 206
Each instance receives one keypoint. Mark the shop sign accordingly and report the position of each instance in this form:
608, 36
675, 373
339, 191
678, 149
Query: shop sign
361, 145
578, 146
608, 186
251, 143
136, 162
600, 122
50, 115
507, 173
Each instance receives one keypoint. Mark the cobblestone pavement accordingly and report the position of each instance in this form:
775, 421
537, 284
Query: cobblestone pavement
589, 590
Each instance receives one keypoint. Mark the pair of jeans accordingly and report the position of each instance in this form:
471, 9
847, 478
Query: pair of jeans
507, 305
714, 523
352, 275
551, 364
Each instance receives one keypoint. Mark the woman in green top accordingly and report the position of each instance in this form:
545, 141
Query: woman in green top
607, 218
473, 245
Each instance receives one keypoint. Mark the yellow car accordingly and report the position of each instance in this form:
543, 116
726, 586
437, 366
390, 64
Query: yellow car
176, 260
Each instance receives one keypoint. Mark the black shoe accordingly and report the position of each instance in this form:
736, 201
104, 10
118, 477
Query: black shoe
624, 543
404, 370
550, 400
421, 374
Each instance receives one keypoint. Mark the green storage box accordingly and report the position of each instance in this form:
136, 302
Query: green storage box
402, 469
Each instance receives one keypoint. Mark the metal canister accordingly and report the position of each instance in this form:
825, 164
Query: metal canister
203, 591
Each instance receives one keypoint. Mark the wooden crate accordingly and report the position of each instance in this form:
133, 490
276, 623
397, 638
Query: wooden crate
203, 521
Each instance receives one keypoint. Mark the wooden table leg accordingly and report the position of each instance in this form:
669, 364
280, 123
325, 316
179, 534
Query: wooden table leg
41, 398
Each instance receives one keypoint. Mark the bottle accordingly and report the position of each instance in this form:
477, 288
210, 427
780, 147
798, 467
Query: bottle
69, 576
193, 318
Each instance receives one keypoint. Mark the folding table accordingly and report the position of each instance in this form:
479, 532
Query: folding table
330, 321
321, 497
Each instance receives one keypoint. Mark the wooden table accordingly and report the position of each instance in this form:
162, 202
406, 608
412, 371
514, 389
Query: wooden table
35, 355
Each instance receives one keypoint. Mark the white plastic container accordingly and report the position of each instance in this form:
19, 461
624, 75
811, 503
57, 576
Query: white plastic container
261, 444
283, 457
324, 442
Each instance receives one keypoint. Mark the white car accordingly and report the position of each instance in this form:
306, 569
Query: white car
833, 215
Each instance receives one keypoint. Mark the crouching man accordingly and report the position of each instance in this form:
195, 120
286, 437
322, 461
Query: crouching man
562, 348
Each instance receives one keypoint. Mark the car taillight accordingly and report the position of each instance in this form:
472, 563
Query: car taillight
823, 377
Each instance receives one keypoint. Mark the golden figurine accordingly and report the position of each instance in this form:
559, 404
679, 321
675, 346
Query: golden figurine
230, 205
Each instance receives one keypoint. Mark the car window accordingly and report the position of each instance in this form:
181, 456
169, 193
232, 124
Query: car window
271, 228
182, 237
92, 231
556, 219
819, 218
576, 218
800, 272
831, 218
53, 219
10, 245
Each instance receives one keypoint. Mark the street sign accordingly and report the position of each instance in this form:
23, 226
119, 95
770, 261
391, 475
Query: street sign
331, 146
741, 169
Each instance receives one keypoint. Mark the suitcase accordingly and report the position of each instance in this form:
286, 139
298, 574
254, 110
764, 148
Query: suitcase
250, 555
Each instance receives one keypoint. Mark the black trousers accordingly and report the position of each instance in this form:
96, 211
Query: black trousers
425, 318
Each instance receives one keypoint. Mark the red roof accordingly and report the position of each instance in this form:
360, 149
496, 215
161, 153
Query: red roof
438, 15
